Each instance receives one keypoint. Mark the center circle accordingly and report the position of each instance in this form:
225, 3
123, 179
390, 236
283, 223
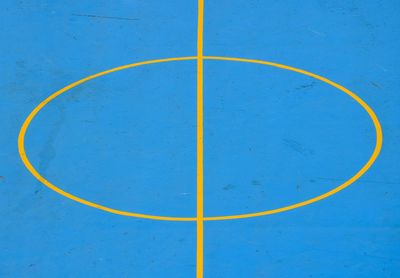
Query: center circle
348, 182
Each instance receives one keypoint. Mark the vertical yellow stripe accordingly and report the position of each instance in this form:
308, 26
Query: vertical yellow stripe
200, 209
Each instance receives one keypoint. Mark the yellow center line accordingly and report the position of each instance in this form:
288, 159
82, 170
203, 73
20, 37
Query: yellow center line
200, 177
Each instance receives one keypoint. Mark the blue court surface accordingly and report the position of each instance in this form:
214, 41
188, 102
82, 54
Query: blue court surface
127, 141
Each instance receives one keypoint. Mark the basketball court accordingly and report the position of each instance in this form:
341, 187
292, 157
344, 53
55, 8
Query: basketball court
200, 139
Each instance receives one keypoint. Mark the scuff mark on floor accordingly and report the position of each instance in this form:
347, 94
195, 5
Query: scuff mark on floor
104, 17
48, 152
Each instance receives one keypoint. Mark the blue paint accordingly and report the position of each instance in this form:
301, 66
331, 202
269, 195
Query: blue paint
127, 140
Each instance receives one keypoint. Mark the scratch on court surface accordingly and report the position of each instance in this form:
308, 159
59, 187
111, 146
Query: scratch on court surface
298, 147
376, 85
229, 187
104, 17
317, 32
309, 85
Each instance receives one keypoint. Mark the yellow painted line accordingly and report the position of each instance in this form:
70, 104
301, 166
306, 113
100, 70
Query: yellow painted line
200, 143
362, 171
37, 175
355, 177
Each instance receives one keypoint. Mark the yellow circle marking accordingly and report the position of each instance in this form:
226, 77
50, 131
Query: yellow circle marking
37, 175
